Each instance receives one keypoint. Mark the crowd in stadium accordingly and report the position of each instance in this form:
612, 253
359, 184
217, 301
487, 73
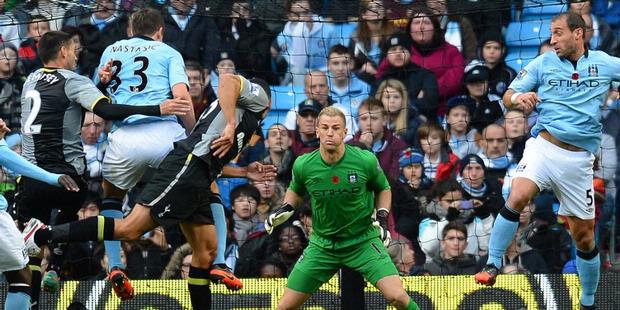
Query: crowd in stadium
421, 87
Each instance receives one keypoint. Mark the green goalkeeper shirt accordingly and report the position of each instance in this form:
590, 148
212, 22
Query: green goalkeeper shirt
342, 195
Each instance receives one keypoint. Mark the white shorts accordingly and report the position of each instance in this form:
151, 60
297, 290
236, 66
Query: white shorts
569, 174
134, 148
13, 254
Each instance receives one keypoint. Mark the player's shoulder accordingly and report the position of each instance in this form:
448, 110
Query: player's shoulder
598, 55
358, 153
71, 75
308, 157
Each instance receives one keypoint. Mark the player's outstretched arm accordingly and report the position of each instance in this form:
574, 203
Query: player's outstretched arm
106, 110
180, 91
228, 93
291, 202
21, 166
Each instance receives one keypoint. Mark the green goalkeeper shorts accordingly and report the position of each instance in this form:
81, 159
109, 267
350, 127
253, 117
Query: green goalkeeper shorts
317, 265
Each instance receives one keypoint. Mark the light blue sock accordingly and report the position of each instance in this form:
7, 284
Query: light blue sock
17, 300
502, 234
589, 271
220, 229
113, 248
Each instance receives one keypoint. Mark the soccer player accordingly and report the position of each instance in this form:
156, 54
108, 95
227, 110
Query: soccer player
342, 182
13, 258
179, 192
138, 70
567, 134
53, 99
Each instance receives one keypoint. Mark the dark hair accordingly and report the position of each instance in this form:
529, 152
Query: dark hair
438, 34
372, 102
289, 4
340, 50
194, 66
280, 229
262, 83
50, 45
70, 30
426, 129
244, 189
146, 22
454, 225
573, 21
444, 187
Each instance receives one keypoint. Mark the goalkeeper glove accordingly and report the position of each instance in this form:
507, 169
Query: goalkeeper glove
381, 223
278, 217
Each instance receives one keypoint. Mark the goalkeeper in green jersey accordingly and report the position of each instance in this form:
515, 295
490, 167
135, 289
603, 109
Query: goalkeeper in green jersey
346, 187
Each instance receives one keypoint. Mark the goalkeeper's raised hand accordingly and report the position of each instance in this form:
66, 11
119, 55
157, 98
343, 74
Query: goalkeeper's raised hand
381, 223
279, 217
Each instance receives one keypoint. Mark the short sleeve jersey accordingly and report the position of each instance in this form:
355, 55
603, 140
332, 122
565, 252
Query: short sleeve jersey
144, 72
571, 95
251, 103
341, 194
52, 103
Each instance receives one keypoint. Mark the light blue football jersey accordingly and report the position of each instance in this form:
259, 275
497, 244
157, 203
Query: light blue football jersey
144, 72
570, 95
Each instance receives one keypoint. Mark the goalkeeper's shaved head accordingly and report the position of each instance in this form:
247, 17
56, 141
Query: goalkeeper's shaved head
332, 112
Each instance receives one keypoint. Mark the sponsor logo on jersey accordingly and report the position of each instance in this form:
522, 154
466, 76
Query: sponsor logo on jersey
521, 167
240, 137
521, 74
573, 83
331, 192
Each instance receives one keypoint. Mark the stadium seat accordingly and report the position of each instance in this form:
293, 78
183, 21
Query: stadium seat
283, 98
518, 57
274, 116
540, 10
528, 33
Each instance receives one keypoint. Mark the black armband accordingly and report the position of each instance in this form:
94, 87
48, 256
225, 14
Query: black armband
108, 111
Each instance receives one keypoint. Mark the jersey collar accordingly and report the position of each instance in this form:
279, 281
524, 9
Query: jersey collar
143, 37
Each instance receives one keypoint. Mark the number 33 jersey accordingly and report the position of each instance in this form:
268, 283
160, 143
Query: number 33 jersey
143, 73
52, 102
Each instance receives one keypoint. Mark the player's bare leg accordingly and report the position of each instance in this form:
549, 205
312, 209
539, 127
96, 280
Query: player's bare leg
201, 237
292, 299
392, 289
505, 227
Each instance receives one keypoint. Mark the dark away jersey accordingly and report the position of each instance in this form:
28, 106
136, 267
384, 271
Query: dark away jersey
52, 102
251, 104
342, 194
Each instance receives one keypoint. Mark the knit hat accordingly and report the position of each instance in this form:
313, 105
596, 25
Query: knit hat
410, 156
464, 100
399, 38
470, 159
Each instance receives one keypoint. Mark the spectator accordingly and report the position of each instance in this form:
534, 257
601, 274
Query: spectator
272, 268
244, 199
492, 52
517, 132
315, 88
485, 194
402, 118
225, 63
463, 139
50, 10
305, 218
11, 83
420, 83
28, 50
447, 206
457, 28
439, 162
599, 36
271, 196
376, 137
82, 261
147, 257
544, 47
103, 262
452, 259
403, 256
372, 30
488, 107
304, 140
494, 152
345, 88
199, 87
304, 42
430, 51
191, 32
9, 32
519, 253
175, 269
290, 243
249, 39
95, 143
278, 145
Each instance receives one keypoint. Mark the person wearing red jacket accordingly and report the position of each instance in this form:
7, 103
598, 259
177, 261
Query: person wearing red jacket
439, 162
